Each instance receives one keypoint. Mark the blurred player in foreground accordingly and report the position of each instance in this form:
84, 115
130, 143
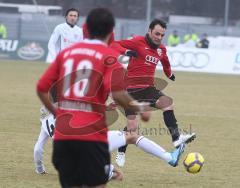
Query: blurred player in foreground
147, 51
84, 75
80, 149
63, 36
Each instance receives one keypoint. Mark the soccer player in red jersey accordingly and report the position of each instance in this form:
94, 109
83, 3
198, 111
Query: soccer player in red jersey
63, 36
146, 52
84, 75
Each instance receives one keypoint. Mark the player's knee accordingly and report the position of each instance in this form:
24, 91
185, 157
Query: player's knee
167, 101
164, 102
38, 149
37, 156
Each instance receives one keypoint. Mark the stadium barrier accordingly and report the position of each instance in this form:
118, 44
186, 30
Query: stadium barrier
181, 58
23, 50
204, 60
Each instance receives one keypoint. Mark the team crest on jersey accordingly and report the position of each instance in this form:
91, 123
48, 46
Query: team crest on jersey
110, 60
159, 51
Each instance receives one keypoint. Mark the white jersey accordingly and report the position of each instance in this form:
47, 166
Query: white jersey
62, 37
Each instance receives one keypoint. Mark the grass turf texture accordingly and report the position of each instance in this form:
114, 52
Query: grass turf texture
208, 104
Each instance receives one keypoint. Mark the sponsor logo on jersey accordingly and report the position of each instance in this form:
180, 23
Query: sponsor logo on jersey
151, 59
110, 60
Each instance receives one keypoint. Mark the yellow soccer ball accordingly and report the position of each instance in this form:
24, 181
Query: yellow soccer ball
193, 162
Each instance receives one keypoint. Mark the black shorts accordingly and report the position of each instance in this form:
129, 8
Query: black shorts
81, 162
148, 94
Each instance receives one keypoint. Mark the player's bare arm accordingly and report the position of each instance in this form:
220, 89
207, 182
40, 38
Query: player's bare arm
44, 97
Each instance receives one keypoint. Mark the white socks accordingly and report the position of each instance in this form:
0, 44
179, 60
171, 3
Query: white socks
116, 139
153, 148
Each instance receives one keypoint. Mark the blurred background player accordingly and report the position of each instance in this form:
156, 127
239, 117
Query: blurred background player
204, 42
3, 31
190, 39
65, 34
173, 39
147, 52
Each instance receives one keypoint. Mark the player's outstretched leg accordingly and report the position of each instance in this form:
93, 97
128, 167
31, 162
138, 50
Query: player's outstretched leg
165, 103
153, 148
118, 138
176, 155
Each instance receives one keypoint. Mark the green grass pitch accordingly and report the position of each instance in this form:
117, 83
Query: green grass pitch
208, 104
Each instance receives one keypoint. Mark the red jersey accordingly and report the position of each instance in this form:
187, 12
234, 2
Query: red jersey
86, 34
83, 75
141, 70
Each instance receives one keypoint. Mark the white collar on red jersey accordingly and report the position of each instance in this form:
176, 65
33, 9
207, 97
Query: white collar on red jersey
94, 41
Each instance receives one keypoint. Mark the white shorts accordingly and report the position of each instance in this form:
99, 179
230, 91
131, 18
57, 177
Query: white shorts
48, 125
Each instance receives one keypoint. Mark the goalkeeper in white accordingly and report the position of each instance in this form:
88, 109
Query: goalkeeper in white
65, 34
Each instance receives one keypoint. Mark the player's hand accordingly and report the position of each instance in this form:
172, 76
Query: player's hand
172, 77
131, 53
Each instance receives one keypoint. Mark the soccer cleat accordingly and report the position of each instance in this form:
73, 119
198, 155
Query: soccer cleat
176, 155
40, 170
184, 139
120, 159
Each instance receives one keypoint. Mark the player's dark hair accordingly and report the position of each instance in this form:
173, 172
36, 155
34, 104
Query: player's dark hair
157, 22
72, 9
100, 22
